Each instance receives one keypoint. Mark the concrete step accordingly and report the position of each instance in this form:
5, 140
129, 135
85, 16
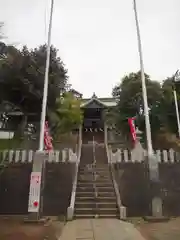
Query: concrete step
85, 194
98, 189
97, 184
78, 216
96, 211
88, 168
96, 205
98, 164
91, 173
92, 194
98, 179
95, 176
98, 199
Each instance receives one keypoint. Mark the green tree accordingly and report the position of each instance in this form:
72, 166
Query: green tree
67, 116
130, 103
22, 79
168, 105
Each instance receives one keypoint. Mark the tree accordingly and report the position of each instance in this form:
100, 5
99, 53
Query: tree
22, 79
67, 116
168, 105
130, 102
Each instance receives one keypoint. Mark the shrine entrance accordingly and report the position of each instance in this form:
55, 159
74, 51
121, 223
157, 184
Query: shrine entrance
93, 125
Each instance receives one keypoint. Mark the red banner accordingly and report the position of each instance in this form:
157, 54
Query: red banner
132, 128
47, 138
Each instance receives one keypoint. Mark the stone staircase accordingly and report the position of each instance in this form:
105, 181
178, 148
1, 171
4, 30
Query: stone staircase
95, 195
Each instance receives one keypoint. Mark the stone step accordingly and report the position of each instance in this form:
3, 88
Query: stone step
104, 165
96, 205
85, 194
98, 199
96, 184
92, 194
96, 211
89, 167
94, 177
91, 173
98, 189
77, 216
94, 169
90, 176
98, 179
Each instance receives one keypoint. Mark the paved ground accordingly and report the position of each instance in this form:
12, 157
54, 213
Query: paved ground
100, 229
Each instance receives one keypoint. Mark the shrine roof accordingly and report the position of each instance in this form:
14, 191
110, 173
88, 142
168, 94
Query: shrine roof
106, 102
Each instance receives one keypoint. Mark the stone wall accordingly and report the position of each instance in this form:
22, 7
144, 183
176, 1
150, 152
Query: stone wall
15, 171
132, 179
58, 187
14, 188
170, 187
137, 191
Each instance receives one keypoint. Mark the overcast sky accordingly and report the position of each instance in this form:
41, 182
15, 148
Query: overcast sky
97, 38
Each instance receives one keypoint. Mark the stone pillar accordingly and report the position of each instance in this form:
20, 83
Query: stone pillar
36, 182
153, 177
155, 187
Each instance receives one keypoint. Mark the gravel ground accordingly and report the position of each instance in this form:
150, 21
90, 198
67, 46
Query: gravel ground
160, 231
17, 230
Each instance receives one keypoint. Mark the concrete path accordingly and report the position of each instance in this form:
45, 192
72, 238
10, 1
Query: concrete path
100, 229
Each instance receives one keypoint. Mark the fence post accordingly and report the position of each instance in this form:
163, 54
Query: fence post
171, 155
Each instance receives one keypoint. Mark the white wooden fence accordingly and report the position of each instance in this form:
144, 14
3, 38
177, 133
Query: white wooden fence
24, 156
163, 156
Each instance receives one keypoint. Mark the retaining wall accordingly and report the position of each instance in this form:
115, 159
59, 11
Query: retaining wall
15, 171
137, 190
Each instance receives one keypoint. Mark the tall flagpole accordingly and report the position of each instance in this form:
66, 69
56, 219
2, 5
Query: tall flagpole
46, 78
152, 161
177, 111
144, 91
176, 79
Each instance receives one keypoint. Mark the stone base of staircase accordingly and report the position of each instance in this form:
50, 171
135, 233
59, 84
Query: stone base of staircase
152, 219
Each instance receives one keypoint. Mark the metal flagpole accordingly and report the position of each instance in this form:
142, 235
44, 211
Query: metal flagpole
46, 78
176, 79
144, 91
152, 161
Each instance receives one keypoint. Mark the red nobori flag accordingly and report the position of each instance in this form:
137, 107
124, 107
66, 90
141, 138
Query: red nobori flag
47, 139
132, 128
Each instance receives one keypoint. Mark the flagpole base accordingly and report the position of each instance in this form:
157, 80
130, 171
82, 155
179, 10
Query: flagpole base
34, 214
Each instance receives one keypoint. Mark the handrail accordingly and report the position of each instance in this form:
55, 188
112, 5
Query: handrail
70, 210
116, 188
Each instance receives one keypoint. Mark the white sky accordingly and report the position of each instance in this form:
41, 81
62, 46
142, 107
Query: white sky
97, 38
